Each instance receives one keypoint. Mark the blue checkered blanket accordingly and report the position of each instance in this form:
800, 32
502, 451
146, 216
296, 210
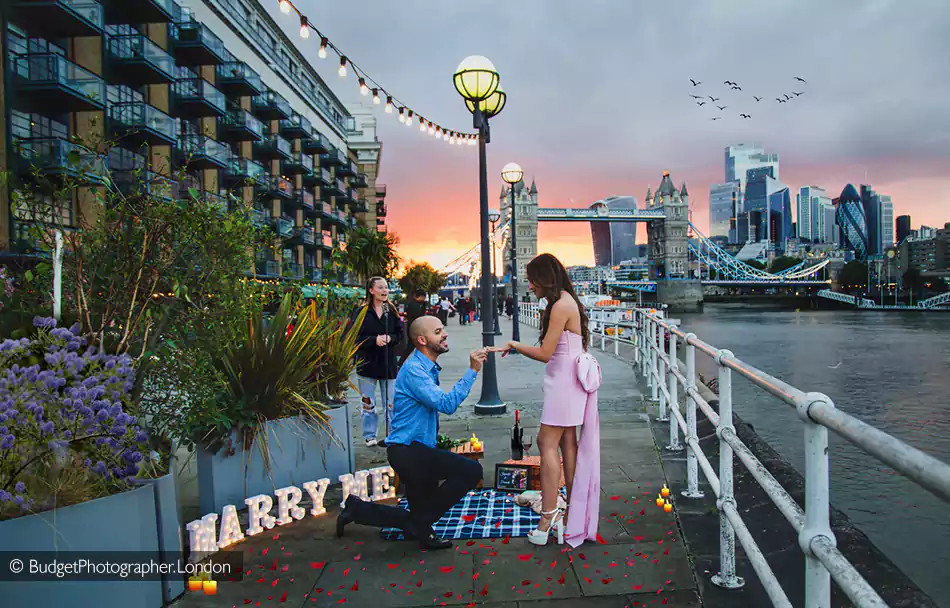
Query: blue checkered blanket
480, 514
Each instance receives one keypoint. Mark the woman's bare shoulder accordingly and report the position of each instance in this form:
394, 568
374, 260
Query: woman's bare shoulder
566, 302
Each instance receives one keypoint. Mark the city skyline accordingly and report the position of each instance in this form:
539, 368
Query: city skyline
631, 116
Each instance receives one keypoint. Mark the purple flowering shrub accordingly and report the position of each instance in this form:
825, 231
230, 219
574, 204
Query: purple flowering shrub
63, 411
6, 285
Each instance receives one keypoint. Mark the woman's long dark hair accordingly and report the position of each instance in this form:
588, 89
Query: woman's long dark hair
548, 275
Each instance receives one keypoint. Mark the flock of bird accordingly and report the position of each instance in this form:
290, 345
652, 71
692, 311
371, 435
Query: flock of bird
734, 86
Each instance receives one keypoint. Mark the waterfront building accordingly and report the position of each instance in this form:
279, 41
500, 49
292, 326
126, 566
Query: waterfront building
740, 158
614, 241
590, 275
887, 223
927, 250
210, 88
903, 228
814, 211
723, 210
766, 210
873, 212
852, 223
829, 226
526, 223
364, 143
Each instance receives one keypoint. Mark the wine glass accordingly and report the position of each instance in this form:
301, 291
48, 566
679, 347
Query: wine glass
526, 442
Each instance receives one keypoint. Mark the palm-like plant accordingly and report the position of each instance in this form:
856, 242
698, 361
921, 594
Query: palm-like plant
370, 253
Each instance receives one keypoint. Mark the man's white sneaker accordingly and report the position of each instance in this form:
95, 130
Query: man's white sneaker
371, 443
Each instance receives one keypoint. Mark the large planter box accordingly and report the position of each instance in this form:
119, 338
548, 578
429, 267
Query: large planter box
144, 519
298, 454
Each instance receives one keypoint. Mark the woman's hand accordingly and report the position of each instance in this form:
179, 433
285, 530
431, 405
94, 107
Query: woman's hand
504, 350
382, 340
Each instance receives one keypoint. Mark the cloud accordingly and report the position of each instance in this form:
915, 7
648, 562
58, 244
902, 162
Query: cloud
598, 99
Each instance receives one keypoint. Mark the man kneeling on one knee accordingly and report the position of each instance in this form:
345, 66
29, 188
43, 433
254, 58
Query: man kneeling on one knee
435, 479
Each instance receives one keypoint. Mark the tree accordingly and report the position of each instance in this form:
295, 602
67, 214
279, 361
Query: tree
369, 253
912, 280
756, 264
783, 263
422, 277
854, 275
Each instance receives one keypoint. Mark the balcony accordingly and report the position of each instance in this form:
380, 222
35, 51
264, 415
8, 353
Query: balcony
200, 152
52, 84
138, 123
293, 270
339, 187
307, 236
361, 206
197, 98
135, 60
326, 240
325, 178
259, 218
147, 183
196, 45
333, 158
141, 11
273, 147
326, 211
271, 106
351, 196
315, 143
55, 158
305, 200
295, 127
237, 79
267, 268
278, 187
299, 164
359, 181
381, 210
380, 190
244, 172
239, 125
284, 226
216, 200
60, 18
347, 168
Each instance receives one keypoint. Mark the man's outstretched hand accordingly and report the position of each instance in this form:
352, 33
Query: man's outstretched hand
476, 358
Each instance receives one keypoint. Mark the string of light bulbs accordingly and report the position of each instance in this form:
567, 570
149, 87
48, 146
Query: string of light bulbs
368, 85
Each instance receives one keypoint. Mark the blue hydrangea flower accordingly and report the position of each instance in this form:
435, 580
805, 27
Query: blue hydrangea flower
20, 487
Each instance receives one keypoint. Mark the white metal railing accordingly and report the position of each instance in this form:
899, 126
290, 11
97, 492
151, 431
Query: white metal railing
655, 341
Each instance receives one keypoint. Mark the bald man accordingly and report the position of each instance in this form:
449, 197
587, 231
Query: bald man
410, 445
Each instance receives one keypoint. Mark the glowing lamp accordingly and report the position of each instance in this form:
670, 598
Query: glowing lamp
304, 27
512, 173
476, 78
491, 106
285, 7
322, 53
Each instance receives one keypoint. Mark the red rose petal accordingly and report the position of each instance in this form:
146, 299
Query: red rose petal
600, 539
283, 598
525, 583
614, 498
393, 566
356, 586
606, 580
638, 538
637, 587
448, 594
419, 584
447, 569
356, 558
274, 584
484, 591
525, 557
264, 552
468, 518
317, 565
563, 577
346, 572
506, 540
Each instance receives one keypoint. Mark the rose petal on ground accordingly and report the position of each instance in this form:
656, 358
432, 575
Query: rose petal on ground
392, 566
274, 584
356, 586
283, 598
264, 552
357, 557
614, 498
484, 591
346, 572
525, 557
447, 569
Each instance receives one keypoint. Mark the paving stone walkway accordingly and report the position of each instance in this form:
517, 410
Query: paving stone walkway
642, 560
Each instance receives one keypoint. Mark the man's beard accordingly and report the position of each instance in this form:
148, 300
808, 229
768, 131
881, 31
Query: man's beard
442, 347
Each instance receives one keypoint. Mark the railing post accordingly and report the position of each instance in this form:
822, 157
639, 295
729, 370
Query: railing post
692, 465
673, 403
660, 373
651, 360
617, 333
603, 330
726, 577
817, 508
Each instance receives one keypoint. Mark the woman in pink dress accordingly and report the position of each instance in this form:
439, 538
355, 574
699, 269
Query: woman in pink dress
571, 378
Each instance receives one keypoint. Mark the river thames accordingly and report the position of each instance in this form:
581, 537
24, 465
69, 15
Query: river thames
891, 370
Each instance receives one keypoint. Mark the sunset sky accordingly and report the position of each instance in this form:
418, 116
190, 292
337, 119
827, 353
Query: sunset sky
599, 101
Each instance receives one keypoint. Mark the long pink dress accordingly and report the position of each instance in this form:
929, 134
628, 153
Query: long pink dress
571, 380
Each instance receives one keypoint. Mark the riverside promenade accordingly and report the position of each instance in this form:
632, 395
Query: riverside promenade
642, 560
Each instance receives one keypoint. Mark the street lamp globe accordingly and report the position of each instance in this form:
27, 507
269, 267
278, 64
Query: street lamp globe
493, 216
476, 78
492, 106
512, 173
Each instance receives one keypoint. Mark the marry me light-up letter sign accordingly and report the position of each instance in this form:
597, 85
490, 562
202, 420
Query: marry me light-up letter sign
204, 538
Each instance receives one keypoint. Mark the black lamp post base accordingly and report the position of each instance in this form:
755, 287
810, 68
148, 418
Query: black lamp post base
490, 409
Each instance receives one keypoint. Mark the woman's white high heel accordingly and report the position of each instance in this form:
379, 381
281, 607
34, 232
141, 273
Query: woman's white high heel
540, 537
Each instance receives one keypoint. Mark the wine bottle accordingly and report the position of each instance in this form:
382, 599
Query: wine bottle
517, 433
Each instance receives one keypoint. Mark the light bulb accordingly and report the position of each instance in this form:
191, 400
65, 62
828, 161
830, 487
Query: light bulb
438, 133
402, 115
452, 138
322, 53
364, 90
389, 104
304, 27
376, 97
285, 7
409, 119
431, 129
342, 70
422, 126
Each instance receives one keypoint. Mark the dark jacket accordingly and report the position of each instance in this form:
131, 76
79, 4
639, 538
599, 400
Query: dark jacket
378, 361
414, 310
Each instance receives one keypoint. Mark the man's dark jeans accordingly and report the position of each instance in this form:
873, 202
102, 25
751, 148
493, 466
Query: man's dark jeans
421, 468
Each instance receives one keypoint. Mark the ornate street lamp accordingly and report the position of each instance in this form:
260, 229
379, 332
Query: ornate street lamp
493, 217
477, 81
512, 174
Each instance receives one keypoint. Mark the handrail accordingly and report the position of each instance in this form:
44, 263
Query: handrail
664, 375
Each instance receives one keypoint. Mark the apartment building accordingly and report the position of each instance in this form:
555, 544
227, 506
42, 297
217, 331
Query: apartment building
213, 88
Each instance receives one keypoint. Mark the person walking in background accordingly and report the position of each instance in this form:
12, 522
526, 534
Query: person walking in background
470, 306
376, 361
462, 307
444, 307
509, 306
571, 380
415, 308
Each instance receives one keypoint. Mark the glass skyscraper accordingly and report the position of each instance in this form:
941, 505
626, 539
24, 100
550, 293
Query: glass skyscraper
723, 210
614, 242
740, 158
852, 222
814, 211
887, 222
767, 209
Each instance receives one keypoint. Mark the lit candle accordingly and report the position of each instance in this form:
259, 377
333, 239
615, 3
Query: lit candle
665, 491
194, 583
210, 587
659, 501
668, 507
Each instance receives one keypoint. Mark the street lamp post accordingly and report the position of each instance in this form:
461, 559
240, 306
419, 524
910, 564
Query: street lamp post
493, 217
512, 174
476, 80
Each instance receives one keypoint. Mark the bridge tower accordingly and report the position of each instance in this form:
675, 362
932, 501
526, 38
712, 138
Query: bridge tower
526, 223
669, 249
